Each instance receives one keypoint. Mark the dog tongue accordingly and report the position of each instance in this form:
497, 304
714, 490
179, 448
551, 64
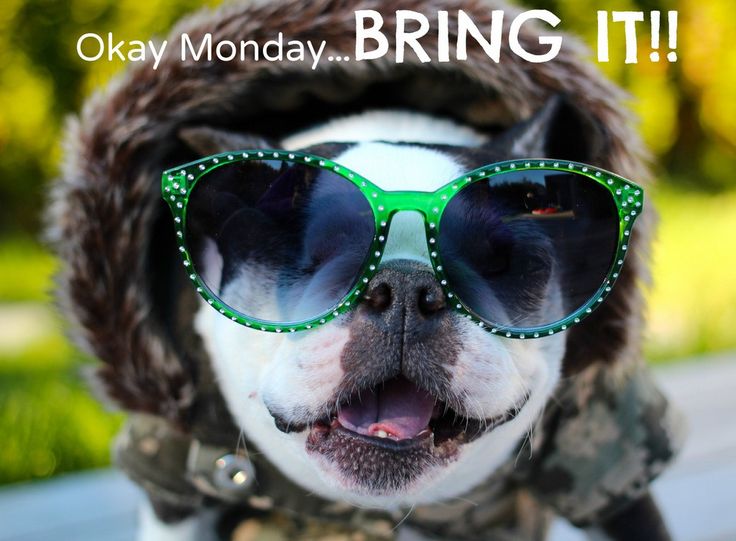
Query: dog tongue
396, 407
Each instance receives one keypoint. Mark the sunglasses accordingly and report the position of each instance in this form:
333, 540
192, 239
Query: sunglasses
286, 241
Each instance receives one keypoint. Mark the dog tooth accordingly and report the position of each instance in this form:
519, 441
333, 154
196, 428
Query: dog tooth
381, 434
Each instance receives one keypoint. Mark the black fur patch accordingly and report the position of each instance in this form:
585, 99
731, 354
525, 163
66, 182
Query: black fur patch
378, 469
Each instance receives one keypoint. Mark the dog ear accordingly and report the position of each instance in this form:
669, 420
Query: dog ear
205, 140
557, 130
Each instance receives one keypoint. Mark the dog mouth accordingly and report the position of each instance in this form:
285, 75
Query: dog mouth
397, 411
382, 439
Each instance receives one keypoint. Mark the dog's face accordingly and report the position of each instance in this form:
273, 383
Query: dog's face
402, 400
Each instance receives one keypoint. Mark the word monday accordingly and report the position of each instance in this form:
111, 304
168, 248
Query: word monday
92, 47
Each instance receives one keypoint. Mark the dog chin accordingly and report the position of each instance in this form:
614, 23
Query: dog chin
382, 466
384, 473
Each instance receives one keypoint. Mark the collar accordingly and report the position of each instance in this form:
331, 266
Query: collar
179, 470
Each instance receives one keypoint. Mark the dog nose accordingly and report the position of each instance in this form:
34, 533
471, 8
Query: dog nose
405, 287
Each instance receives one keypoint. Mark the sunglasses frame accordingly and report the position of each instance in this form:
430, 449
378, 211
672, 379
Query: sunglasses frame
177, 184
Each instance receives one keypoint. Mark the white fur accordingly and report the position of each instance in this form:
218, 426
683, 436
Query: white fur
299, 372
394, 126
310, 364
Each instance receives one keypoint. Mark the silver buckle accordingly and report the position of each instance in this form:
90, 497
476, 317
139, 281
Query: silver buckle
218, 472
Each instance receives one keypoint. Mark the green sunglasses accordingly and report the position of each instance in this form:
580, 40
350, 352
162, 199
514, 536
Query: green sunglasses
286, 241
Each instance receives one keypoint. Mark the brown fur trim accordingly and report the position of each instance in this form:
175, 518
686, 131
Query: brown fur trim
119, 284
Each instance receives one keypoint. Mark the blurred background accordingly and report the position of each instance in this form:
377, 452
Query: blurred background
49, 421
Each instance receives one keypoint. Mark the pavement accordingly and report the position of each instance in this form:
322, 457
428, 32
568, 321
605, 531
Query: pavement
697, 495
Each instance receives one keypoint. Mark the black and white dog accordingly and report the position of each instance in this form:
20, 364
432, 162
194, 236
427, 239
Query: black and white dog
340, 409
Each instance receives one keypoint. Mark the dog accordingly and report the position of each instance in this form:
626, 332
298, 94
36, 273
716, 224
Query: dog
402, 402
399, 406
294, 380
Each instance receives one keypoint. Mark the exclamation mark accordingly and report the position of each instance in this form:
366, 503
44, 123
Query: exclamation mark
654, 55
672, 27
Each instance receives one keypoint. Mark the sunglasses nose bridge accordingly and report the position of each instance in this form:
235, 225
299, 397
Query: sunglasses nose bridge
390, 203
406, 200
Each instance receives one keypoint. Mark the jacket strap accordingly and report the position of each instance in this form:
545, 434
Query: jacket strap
178, 469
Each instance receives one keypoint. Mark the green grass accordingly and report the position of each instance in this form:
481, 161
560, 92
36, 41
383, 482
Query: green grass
51, 424
692, 305
49, 421
25, 269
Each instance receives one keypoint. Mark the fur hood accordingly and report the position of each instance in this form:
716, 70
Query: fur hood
121, 285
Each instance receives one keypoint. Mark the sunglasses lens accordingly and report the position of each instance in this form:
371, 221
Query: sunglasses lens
527, 248
278, 241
